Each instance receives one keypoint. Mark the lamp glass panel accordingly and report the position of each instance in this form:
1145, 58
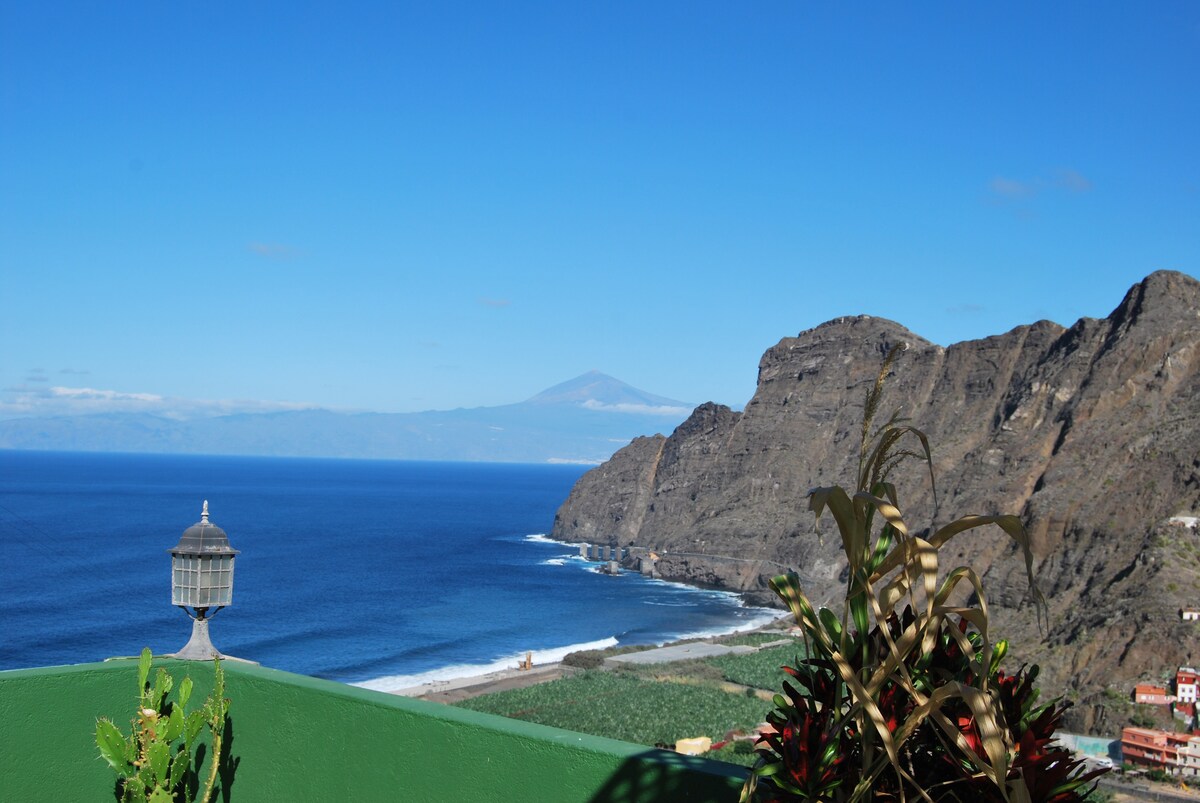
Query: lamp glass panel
202, 581
185, 580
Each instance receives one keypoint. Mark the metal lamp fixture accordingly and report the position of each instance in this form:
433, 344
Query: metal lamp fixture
202, 579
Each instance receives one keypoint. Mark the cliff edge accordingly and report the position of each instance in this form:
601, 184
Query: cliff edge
1091, 433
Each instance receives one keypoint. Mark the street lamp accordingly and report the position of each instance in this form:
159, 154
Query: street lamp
201, 578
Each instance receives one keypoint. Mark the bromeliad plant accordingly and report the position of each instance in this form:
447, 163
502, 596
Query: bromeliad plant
902, 696
154, 763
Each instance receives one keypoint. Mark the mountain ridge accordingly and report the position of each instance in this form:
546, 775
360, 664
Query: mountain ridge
1090, 432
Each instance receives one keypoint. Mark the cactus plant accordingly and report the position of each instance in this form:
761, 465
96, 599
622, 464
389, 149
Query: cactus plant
154, 762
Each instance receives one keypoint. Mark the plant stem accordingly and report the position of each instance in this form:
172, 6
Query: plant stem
212, 771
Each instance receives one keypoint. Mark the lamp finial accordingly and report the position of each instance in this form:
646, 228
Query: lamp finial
204, 513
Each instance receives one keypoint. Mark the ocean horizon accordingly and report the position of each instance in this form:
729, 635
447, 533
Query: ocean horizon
385, 574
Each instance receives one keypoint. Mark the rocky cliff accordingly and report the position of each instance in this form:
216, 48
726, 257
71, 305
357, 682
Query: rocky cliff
1091, 434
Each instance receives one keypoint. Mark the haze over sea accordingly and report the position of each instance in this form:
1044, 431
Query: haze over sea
382, 573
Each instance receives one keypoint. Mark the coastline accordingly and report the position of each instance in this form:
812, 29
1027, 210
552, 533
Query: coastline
452, 689
461, 674
505, 672
454, 677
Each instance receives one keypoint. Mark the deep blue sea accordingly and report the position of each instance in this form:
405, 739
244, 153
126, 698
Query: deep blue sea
382, 573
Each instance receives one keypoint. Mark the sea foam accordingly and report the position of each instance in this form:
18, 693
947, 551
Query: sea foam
434, 676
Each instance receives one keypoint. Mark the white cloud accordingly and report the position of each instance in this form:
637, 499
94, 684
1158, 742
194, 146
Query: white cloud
1071, 180
642, 409
1012, 188
26, 401
1064, 179
103, 395
273, 250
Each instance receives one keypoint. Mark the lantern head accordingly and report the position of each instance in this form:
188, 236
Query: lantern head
202, 567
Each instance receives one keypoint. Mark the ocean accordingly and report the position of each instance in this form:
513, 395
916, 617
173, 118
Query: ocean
385, 574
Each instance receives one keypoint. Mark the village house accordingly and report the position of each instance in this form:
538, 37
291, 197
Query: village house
1177, 753
1189, 758
1186, 682
1152, 695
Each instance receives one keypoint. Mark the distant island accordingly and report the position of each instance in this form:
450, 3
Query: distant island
583, 420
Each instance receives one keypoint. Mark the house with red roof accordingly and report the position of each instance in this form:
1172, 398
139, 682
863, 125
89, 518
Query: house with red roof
1186, 682
1152, 695
1177, 753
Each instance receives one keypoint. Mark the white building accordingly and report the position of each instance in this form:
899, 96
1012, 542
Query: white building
1186, 682
1187, 760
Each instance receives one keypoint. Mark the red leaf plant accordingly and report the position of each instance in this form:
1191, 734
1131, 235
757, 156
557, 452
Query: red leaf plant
901, 696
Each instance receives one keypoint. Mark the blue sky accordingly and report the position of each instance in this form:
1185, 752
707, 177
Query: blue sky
220, 206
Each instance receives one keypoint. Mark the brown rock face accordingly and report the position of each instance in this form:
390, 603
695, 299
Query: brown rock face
1091, 434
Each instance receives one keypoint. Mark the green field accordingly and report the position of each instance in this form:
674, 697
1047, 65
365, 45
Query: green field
623, 706
760, 669
657, 704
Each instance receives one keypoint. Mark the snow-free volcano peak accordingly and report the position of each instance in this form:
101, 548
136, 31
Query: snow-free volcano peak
598, 391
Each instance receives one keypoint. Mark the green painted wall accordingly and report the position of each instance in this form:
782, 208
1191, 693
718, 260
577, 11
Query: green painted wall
295, 738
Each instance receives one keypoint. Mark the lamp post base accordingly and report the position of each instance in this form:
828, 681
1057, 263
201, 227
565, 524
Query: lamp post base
199, 647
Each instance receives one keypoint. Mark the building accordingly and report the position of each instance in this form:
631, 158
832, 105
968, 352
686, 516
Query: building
1177, 753
1152, 695
1189, 757
1186, 682
1189, 615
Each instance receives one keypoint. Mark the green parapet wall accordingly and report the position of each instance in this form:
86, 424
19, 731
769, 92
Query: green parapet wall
296, 738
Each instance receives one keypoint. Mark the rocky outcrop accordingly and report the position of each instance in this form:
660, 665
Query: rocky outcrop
1091, 434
